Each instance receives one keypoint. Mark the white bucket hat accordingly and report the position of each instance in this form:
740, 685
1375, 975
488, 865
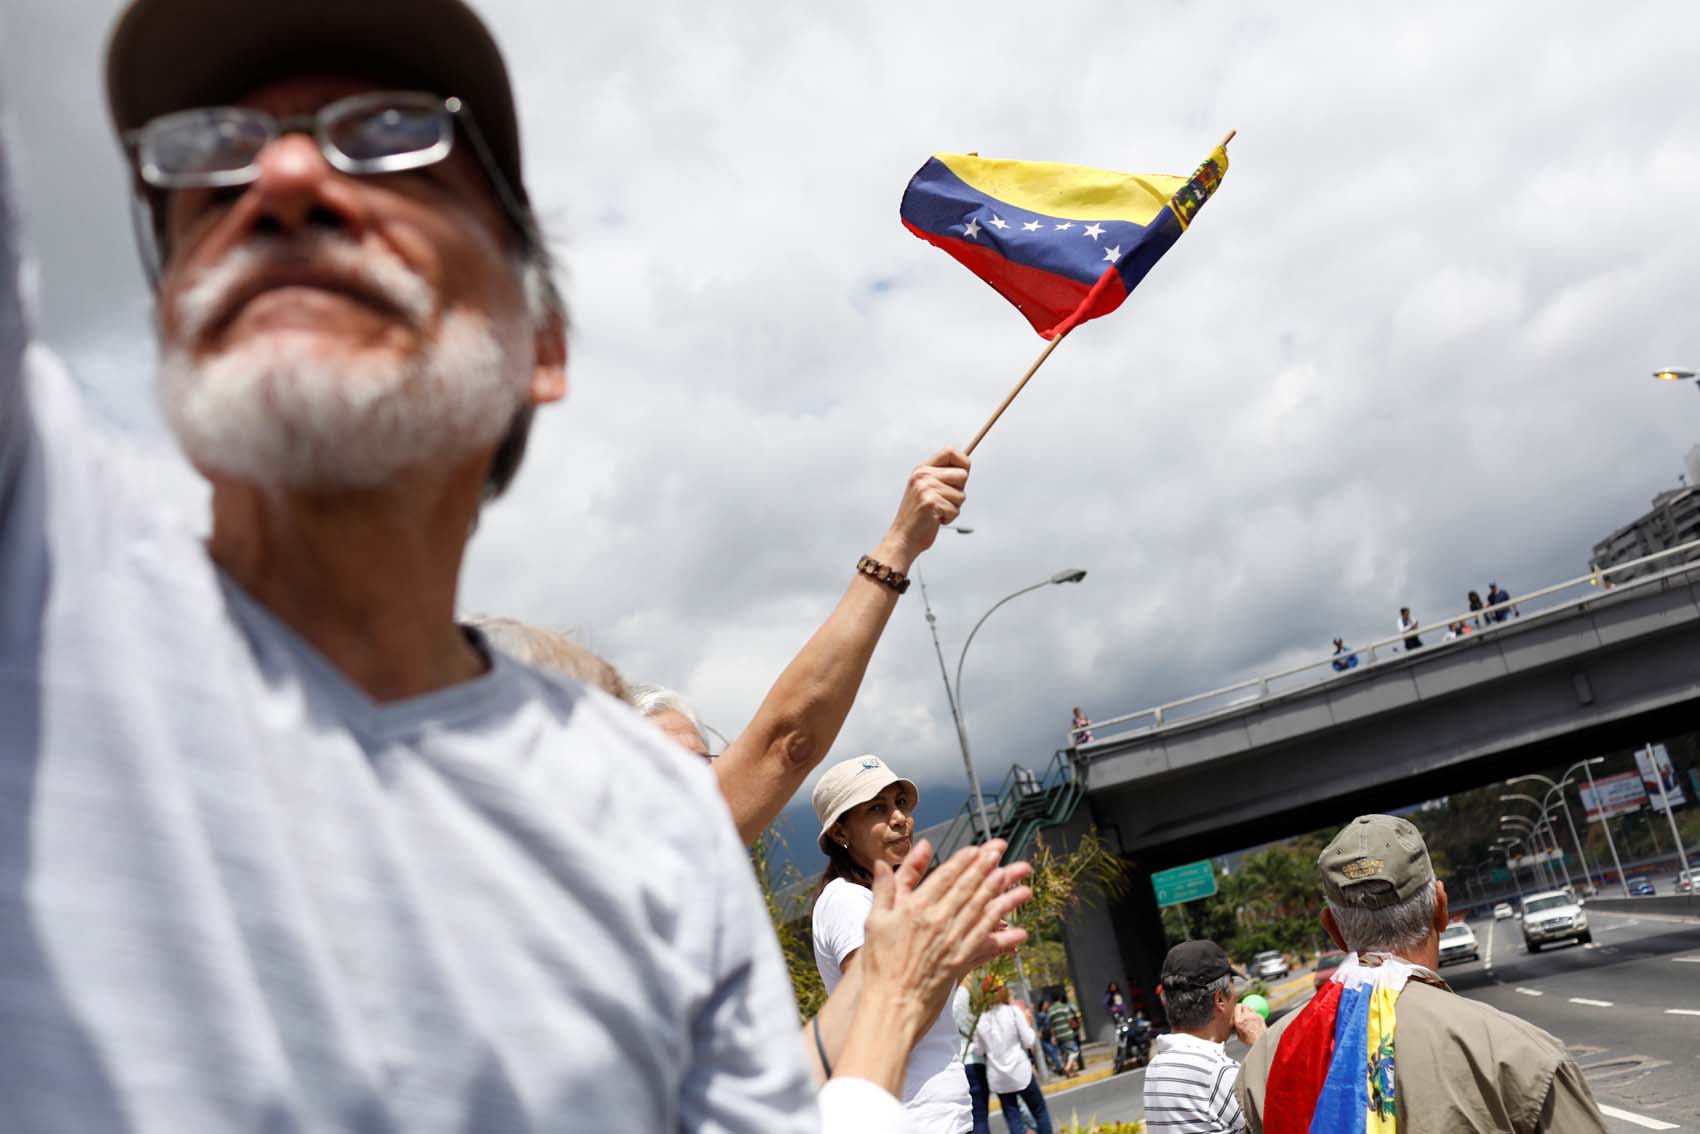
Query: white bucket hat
850, 782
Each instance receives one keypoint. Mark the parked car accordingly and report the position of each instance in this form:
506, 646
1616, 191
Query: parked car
1269, 965
1641, 888
1502, 911
1685, 881
1325, 966
1458, 943
1553, 915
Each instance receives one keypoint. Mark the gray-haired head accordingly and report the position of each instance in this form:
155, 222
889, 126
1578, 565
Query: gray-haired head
672, 713
1402, 927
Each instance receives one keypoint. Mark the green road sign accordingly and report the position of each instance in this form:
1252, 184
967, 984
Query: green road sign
1184, 883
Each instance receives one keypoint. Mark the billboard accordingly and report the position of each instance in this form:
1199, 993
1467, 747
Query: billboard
1614, 795
1656, 769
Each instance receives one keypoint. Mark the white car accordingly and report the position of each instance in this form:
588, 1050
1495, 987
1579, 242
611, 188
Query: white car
1269, 965
1458, 943
1502, 911
1553, 915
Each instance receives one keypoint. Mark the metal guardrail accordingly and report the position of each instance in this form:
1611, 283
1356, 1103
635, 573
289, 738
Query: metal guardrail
1201, 706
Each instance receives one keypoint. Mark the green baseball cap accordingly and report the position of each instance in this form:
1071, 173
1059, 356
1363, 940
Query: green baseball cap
1374, 862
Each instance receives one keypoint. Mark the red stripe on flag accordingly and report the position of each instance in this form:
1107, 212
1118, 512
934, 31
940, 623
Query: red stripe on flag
1050, 302
1300, 1066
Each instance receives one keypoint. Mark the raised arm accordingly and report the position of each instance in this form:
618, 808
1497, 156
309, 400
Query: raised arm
799, 719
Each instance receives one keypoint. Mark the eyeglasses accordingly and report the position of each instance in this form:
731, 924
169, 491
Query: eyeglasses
365, 135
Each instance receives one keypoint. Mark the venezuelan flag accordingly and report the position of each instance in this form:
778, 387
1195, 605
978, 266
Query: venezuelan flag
1333, 1072
1064, 243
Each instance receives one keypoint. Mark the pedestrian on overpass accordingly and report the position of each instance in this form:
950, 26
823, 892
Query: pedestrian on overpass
1408, 627
1386, 1044
1189, 1086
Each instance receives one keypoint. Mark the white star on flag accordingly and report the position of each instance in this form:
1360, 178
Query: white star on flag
1031, 226
1113, 254
999, 223
1065, 226
1094, 230
973, 229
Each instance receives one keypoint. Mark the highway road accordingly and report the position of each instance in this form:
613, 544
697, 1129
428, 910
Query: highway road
1628, 1006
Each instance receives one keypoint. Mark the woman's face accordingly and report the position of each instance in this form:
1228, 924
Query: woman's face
878, 829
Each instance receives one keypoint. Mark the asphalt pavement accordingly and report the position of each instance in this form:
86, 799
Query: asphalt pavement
1627, 1006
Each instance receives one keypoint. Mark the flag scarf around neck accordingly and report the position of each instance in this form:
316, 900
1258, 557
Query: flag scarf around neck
1064, 243
1333, 1071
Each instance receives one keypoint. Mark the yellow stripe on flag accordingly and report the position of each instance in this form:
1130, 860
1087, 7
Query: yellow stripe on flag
1077, 192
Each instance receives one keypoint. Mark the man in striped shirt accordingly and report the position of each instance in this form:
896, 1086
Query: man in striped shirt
1189, 1086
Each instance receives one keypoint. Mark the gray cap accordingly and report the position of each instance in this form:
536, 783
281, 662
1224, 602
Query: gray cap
1374, 862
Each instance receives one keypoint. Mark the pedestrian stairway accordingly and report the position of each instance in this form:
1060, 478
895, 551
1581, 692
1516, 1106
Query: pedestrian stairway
1024, 804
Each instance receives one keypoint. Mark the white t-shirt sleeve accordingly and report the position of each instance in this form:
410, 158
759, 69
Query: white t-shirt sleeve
1023, 1028
746, 1069
856, 1106
840, 921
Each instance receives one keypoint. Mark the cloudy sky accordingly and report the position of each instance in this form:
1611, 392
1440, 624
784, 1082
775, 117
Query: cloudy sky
1404, 350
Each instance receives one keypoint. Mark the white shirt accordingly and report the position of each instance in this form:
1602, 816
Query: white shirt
1189, 1088
238, 895
935, 1087
1002, 1038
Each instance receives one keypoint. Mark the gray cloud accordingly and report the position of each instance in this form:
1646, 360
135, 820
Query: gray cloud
1403, 351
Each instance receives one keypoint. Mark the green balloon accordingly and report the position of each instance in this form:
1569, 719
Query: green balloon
1257, 1004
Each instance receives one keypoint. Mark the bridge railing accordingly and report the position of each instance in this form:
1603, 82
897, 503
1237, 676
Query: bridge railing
1595, 584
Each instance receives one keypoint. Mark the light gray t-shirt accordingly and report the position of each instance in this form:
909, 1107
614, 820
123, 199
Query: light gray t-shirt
238, 895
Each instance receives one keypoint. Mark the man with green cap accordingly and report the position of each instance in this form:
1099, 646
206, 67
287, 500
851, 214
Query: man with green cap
1460, 1064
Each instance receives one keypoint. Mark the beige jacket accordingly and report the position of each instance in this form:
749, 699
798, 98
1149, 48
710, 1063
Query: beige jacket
1461, 1066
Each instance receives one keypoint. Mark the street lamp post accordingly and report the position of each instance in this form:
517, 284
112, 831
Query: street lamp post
1605, 821
953, 693
1587, 767
1530, 837
1551, 834
1503, 846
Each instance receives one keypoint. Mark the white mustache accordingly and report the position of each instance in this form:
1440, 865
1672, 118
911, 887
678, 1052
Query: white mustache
380, 272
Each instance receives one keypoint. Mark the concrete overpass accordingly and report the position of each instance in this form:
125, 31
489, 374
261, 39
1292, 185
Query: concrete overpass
1591, 670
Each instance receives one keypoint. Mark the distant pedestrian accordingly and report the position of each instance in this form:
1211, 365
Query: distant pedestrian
1080, 732
1115, 1005
1063, 1015
1344, 658
1476, 605
1001, 1039
1408, 627
979, 1096
1500, 597
1458, 630
1047, 1042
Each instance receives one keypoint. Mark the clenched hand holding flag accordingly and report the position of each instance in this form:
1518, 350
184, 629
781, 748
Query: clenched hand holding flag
1064, 243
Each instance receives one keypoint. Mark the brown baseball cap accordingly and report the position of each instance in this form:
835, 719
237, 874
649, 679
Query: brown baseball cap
170, 55
1374, 862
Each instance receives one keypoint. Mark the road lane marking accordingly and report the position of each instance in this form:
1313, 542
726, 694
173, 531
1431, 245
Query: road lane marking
1531, 992
1689, 960
1591, 1003
1638, 1119
1682, 1012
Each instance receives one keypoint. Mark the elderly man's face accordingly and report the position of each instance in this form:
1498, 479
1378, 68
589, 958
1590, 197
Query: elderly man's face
324, 330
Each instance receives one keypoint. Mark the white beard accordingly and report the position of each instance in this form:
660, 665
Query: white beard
279, 412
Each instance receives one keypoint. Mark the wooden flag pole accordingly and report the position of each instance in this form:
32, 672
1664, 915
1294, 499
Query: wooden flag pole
1031, 370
